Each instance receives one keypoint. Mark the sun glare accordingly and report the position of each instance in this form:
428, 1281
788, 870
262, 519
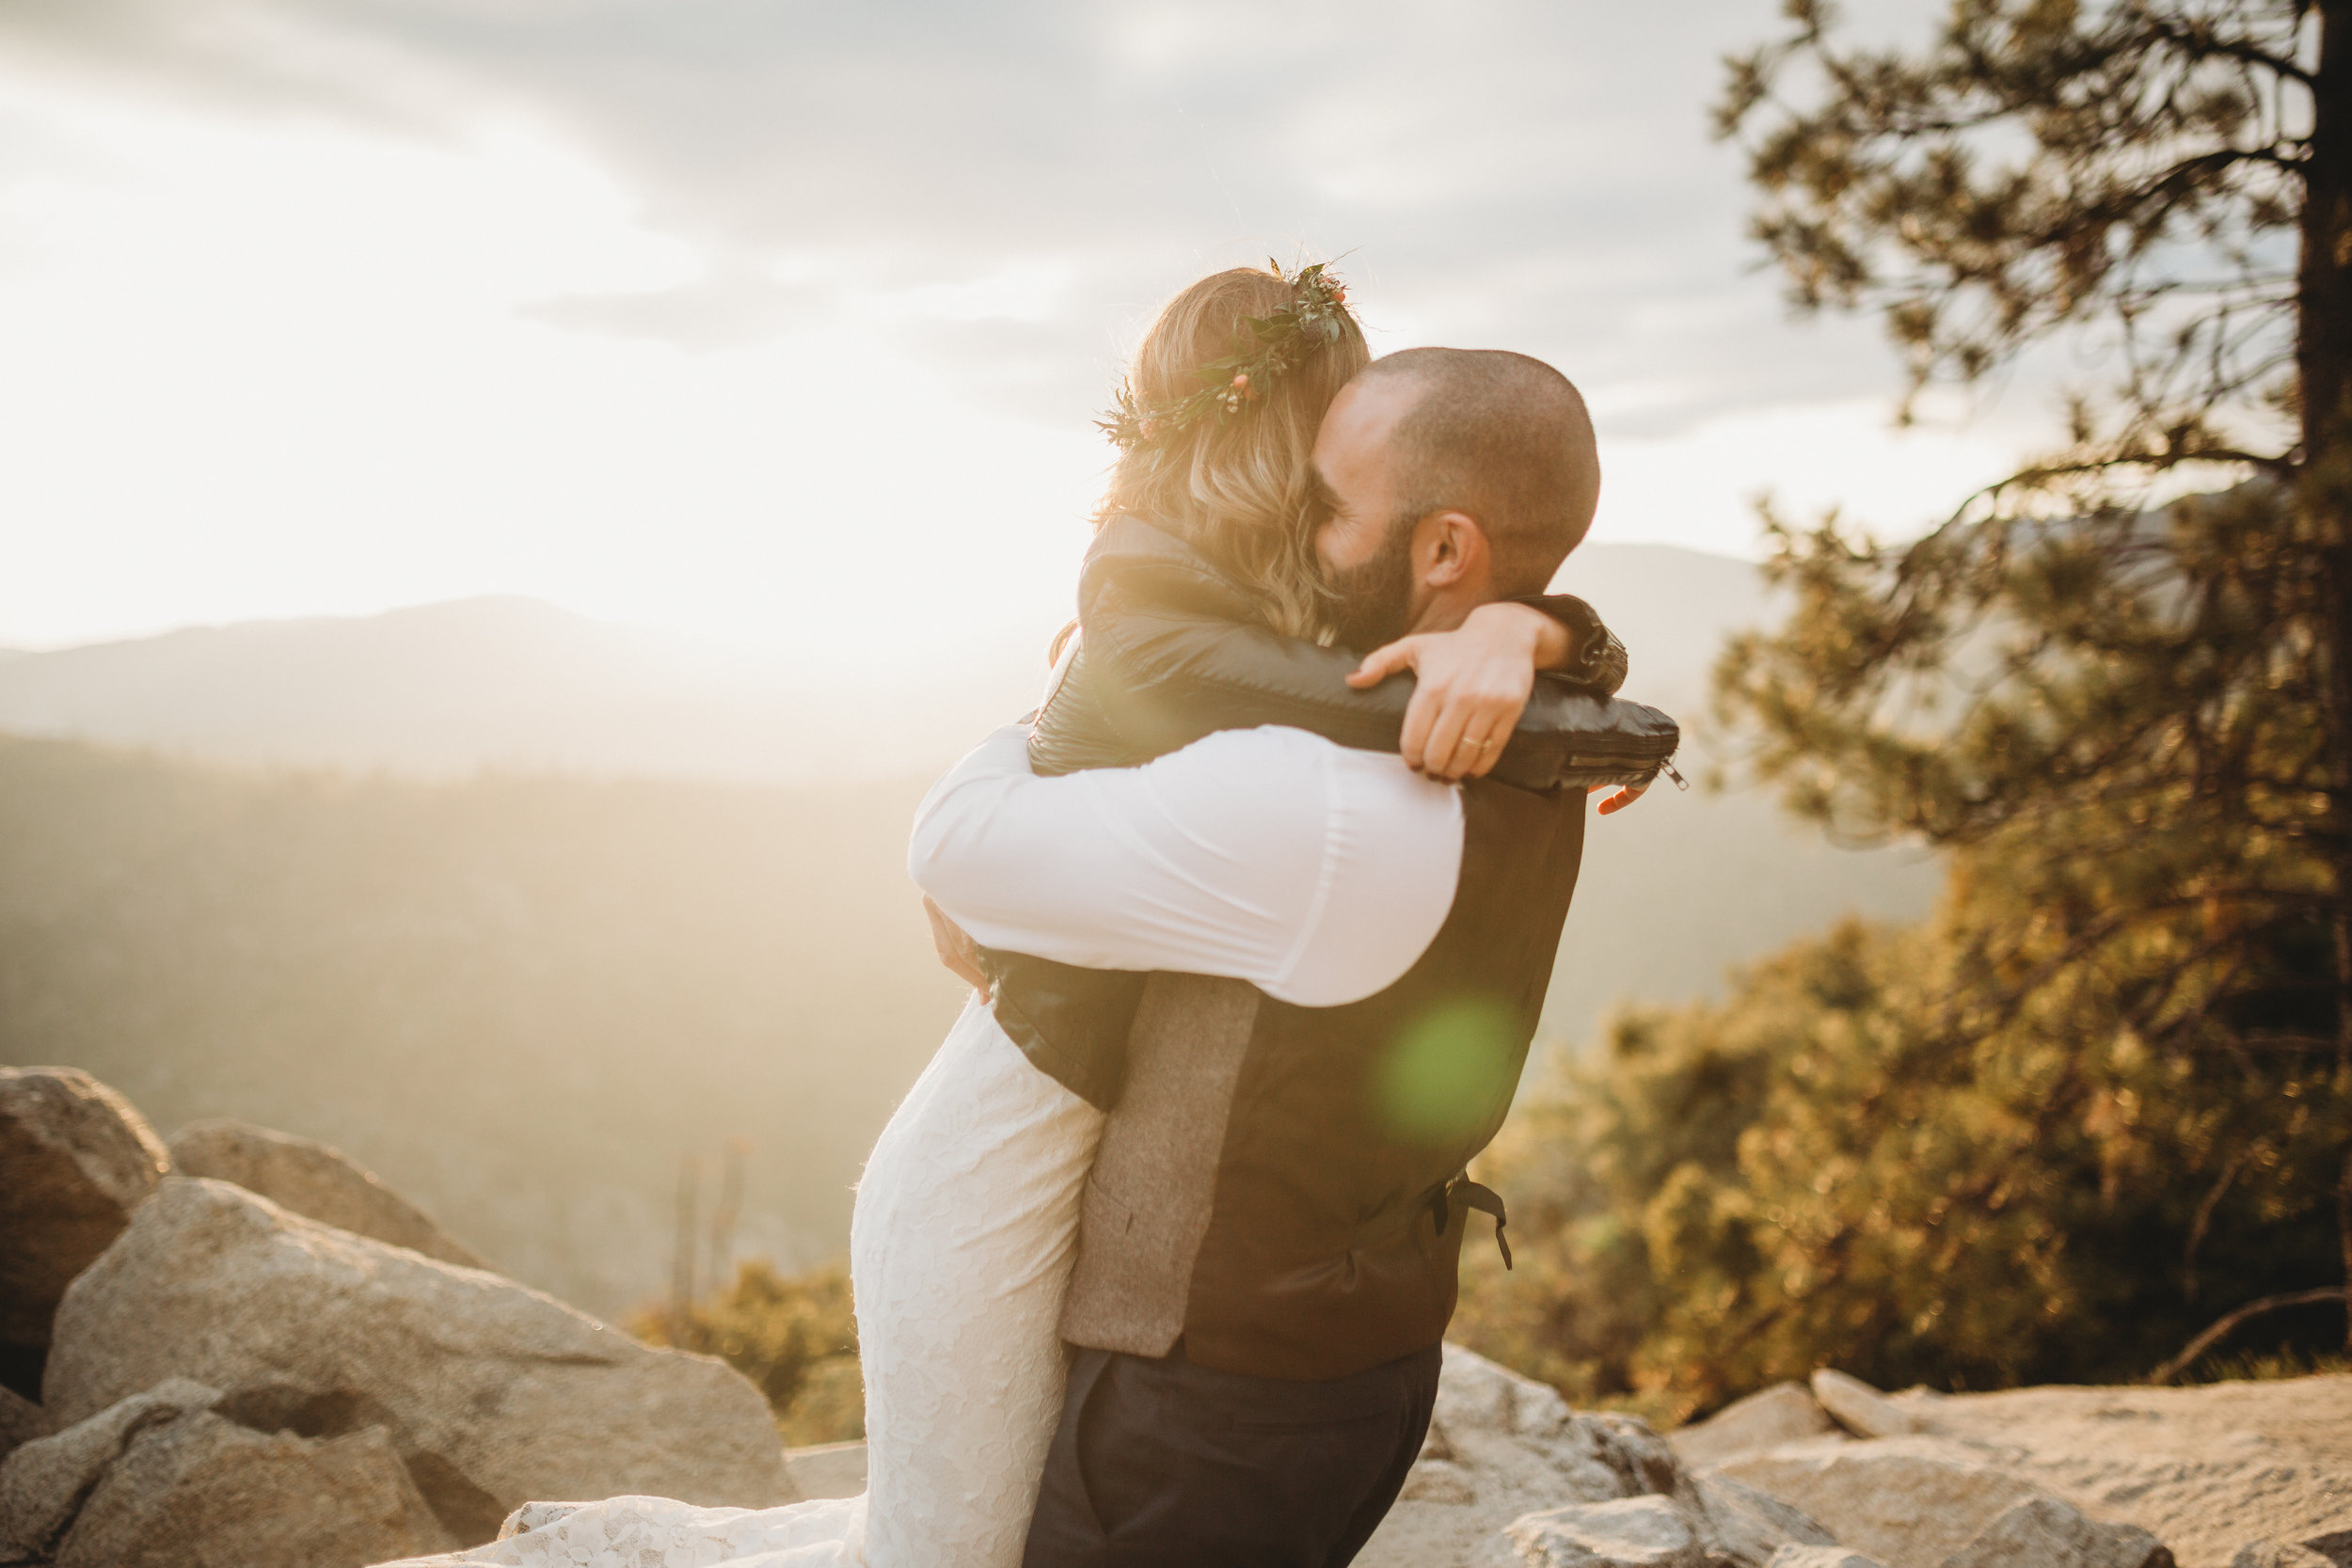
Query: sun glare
264, 362
254, 371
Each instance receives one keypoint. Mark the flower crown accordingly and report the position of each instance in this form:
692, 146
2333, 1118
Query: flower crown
1310, 322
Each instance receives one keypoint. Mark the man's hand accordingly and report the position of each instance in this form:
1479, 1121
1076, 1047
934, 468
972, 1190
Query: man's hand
1624, 797
1475, 682
958, 951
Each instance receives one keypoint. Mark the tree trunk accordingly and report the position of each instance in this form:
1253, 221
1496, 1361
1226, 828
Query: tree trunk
2324, 362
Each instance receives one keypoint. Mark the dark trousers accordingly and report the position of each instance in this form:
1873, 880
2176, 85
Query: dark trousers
1160, 1464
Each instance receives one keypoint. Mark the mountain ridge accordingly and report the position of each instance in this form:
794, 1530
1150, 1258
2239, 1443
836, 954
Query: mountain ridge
493, 682
514, 682
524, 989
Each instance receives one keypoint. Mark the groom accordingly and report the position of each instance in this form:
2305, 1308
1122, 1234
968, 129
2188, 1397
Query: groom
1267, 1257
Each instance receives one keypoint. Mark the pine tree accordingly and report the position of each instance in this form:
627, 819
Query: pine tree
2130, 723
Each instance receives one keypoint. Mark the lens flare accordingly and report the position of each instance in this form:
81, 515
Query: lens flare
1448, 1073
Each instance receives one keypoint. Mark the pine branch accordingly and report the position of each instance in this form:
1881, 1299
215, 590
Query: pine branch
2253, 1309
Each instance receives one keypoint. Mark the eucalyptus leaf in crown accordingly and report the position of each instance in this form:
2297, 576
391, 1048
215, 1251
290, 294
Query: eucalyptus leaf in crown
1312, 320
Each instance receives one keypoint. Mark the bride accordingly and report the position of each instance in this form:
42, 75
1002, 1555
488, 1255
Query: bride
966, 1217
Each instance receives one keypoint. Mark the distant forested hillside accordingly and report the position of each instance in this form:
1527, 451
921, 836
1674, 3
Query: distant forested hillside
521, 1001
444, 690
524, 1000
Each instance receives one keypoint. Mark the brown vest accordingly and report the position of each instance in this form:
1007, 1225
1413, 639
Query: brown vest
1271, 1185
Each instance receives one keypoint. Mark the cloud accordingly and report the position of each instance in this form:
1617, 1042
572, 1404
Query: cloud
668, 309
738, 306
1526, 173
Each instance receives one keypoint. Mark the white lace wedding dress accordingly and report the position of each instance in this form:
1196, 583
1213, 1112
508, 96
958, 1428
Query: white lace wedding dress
960, 1253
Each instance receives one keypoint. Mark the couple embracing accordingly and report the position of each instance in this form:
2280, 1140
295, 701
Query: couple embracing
1152, 1265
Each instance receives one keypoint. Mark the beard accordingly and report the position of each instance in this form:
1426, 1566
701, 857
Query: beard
1374, 598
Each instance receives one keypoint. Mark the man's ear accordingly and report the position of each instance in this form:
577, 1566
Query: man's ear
1450, 550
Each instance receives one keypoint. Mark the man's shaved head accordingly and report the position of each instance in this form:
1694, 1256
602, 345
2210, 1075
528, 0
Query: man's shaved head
1502, 437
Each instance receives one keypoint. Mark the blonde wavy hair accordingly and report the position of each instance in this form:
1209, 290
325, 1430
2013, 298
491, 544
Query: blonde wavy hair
1239, 489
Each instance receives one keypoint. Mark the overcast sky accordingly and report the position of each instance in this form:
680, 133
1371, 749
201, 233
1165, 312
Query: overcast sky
785, 322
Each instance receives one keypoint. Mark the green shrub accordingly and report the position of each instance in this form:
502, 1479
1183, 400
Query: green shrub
1818, 1171
794, 1337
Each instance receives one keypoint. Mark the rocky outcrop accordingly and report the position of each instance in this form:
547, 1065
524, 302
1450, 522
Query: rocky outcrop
493, 1394
1722, 1526
1858, 1407
314, 1182
1928, 1502
274, 1359
1785, 1413
225, 1380
1632, 1532
2206, 1470
203, 1489
1743, 1524
75, 1160
45, 1483
168, 1478
2046, 1530
1503, 1447
1508, 1475
2279, 1554
2225, 1476
1500, 1446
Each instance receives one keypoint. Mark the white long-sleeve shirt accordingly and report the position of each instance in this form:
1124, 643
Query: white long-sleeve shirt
1316, 873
